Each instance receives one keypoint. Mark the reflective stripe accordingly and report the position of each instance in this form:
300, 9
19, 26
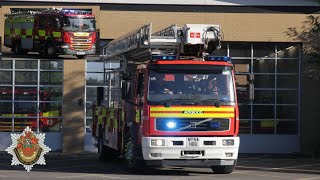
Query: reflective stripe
56, 34
23, 36
42, 33
51, 113
17, 31
220, 109
29, 31
36, 37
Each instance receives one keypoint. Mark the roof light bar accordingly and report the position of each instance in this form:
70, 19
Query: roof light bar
217, 58
163, 57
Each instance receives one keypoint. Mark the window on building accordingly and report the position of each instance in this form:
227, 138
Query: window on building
33, 97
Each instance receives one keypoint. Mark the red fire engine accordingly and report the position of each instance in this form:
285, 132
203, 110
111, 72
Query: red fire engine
51, 32
25, 112
178, 105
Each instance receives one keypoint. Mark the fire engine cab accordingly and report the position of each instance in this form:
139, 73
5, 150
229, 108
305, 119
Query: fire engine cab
51, 32
178, 105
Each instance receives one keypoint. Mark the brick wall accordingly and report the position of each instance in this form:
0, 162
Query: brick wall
236, 26
72, 111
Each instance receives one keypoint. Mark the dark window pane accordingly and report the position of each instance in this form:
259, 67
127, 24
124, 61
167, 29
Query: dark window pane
6, 93
288, 66
51, 65
29, 78
92, 94
5, 108
240, 49
264, 81
5, 64
287, 127
287, 112
25, 93
6, 77
51, 78
29, 64
245, 127
287, 97
89, 110
245, 112
264, 97
25, 109
264, 50
263, 112
51, 94
263, 127
287, 81
287, 50
263, 66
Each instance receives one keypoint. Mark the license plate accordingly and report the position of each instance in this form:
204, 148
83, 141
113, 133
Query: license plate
193, 141
81, 53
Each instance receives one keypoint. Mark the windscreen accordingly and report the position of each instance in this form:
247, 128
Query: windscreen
79, 24
202, 87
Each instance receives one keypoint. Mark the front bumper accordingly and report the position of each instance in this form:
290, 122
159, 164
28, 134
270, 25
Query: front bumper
66, 50
177, 151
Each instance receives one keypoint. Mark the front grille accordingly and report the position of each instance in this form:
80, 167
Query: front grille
192, 124
81, 43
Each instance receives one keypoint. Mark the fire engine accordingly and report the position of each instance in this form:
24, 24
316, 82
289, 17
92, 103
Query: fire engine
26, 113
178, 104
51, 32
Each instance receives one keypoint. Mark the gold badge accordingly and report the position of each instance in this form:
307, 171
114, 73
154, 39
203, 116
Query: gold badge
28, 149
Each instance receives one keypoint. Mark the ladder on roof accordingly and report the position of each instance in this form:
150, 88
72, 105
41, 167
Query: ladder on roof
140, 43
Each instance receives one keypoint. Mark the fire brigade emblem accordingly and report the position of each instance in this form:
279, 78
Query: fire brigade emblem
28, 149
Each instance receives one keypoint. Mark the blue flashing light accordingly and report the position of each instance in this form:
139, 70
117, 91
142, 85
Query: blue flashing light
217, 58
163, 57
215, 124
171, 124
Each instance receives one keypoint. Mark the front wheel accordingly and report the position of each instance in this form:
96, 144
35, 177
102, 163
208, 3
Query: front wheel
133, 156
223, 169
51, 50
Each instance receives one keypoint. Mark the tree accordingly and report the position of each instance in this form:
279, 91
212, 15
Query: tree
309, 34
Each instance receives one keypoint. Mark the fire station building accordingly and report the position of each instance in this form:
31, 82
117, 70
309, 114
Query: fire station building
283, 116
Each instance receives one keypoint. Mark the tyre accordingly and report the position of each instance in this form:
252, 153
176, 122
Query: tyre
51, 50
223, 169
133, 156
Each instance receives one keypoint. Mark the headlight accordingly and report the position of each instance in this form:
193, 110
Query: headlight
157, 142
227, 142
171, 124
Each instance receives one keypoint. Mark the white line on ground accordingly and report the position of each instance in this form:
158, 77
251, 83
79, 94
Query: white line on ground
287, 169
90, 175
306, 165
309, 178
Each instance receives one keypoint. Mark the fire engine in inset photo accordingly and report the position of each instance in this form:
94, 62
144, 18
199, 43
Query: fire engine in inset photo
51, 32
171, 102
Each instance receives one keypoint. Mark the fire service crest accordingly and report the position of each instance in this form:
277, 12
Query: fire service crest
28, 149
